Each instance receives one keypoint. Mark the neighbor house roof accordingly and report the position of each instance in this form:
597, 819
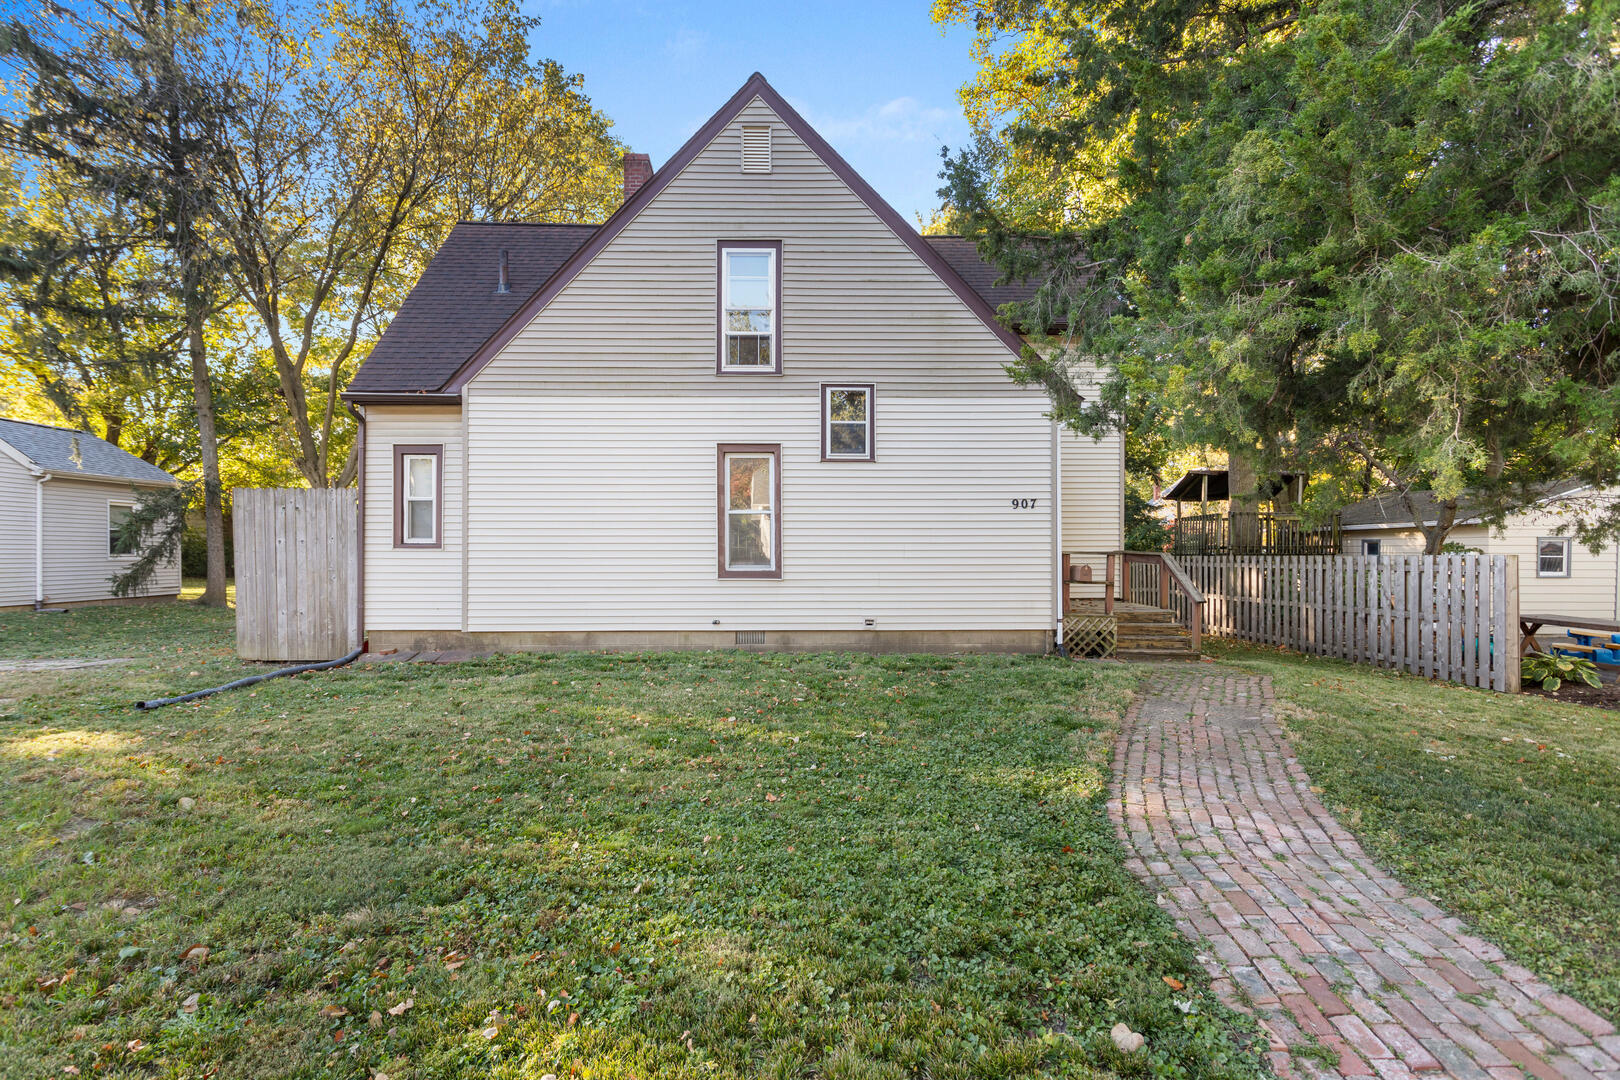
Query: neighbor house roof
66, 452
1191, 485
1388, 511
453, 321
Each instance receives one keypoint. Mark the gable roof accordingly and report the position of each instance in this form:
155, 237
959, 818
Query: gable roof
67, 452
1387, 511
455, 307
405, 371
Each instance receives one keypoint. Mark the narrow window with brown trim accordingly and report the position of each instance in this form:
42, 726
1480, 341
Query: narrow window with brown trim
748, 290
750, 509
848, 422
419, 496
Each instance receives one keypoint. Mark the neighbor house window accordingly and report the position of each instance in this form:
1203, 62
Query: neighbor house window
750, 282
418, 496
1552, 556
750, 510
118, 514
846, 423
1372, 547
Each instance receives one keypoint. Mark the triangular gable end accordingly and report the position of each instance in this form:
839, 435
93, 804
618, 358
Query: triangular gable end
756, 86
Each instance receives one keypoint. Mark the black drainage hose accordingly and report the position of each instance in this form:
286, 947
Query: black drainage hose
324, 665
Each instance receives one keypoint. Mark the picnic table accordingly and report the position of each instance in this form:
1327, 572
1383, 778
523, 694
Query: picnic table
1530, 624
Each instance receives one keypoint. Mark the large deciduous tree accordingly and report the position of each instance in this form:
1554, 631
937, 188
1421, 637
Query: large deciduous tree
1367, 237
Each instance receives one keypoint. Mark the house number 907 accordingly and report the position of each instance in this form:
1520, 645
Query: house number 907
1023, 504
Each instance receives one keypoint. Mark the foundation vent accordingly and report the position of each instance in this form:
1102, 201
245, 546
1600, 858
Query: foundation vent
756, 148
750, 637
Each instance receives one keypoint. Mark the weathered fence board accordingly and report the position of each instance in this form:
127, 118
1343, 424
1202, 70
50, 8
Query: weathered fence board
297, 580
1451, 617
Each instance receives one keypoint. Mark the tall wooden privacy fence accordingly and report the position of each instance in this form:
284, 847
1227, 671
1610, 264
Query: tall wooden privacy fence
297, 576
1452, 617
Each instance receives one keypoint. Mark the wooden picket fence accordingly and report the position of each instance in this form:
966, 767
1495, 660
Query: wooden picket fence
1450, 617
297, 573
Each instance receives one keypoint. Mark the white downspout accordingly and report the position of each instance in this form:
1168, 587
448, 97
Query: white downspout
1057, 530
39, 539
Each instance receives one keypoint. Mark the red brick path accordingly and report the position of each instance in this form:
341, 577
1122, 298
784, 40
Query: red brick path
1296, 924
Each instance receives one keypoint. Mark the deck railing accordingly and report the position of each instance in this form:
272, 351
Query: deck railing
1249, 532
1146, 578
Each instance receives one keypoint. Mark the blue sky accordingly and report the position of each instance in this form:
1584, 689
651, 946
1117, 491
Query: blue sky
878, 78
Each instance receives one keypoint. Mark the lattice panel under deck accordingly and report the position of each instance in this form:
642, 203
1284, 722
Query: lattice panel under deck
1090, 635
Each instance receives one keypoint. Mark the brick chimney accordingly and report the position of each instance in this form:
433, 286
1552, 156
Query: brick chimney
637, 171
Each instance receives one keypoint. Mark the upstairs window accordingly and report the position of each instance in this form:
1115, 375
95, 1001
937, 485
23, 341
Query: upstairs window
1552, 556
750, 514
418, 496
846, 423
750, 280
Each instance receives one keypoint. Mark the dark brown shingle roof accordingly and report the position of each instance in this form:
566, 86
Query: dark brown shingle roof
454, 308
1388, 510
963, 256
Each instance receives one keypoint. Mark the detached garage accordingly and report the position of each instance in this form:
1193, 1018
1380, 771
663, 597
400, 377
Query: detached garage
63, 495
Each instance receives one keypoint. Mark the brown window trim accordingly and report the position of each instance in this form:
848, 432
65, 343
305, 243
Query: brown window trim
775, 450
436, 451
871, 420
719, 311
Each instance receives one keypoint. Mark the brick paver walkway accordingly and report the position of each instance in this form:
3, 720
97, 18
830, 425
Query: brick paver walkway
1298, 926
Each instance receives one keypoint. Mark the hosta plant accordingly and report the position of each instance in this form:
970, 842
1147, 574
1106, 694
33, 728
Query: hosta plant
1551, 671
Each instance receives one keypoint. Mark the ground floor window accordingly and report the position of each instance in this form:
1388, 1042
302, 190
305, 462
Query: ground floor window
750, 519
418, 496
118, 515
1372, 547
1553, 556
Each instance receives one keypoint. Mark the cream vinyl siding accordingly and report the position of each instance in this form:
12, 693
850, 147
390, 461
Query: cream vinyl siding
857, 305
412, 589
77, 566
1397, 541
600, 513
1093, 501
16, 533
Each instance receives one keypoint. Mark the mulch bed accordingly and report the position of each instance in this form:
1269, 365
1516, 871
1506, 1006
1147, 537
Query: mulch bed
1606, 696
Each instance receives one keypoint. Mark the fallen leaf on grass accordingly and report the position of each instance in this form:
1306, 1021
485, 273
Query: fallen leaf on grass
400, 1009
375, 1020
334, 1011
1174, 983
53, 982
454, 960
199, 953
190, 1004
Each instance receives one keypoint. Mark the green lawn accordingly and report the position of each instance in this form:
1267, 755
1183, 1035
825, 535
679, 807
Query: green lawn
697, 865
1505, 809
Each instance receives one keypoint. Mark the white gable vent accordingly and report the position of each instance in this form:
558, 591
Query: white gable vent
756, 148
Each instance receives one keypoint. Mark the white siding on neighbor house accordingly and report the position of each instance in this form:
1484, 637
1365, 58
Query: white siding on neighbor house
857, 304
600, 513
412, 588
16, 533
1591, 591
77, 565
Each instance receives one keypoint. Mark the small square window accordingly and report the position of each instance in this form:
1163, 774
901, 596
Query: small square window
847, 423
1372, 547
1553, 556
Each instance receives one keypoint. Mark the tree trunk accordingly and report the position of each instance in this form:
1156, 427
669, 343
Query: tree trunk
203, 394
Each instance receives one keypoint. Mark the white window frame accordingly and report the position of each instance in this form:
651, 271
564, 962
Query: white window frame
406, 498
773, 278
870, 453
1569, 555
131, 507
1372, 547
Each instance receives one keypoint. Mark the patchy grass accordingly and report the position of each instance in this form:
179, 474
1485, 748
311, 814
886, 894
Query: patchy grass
1505, 809
694, 865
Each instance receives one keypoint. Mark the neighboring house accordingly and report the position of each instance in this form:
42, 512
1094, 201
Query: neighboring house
755, 407
63, 494
1557, 576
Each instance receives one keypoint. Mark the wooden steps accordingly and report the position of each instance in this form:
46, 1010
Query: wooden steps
1152, 635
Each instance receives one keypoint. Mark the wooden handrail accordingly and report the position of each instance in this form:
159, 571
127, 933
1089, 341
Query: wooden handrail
1170, 570
1168, 560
